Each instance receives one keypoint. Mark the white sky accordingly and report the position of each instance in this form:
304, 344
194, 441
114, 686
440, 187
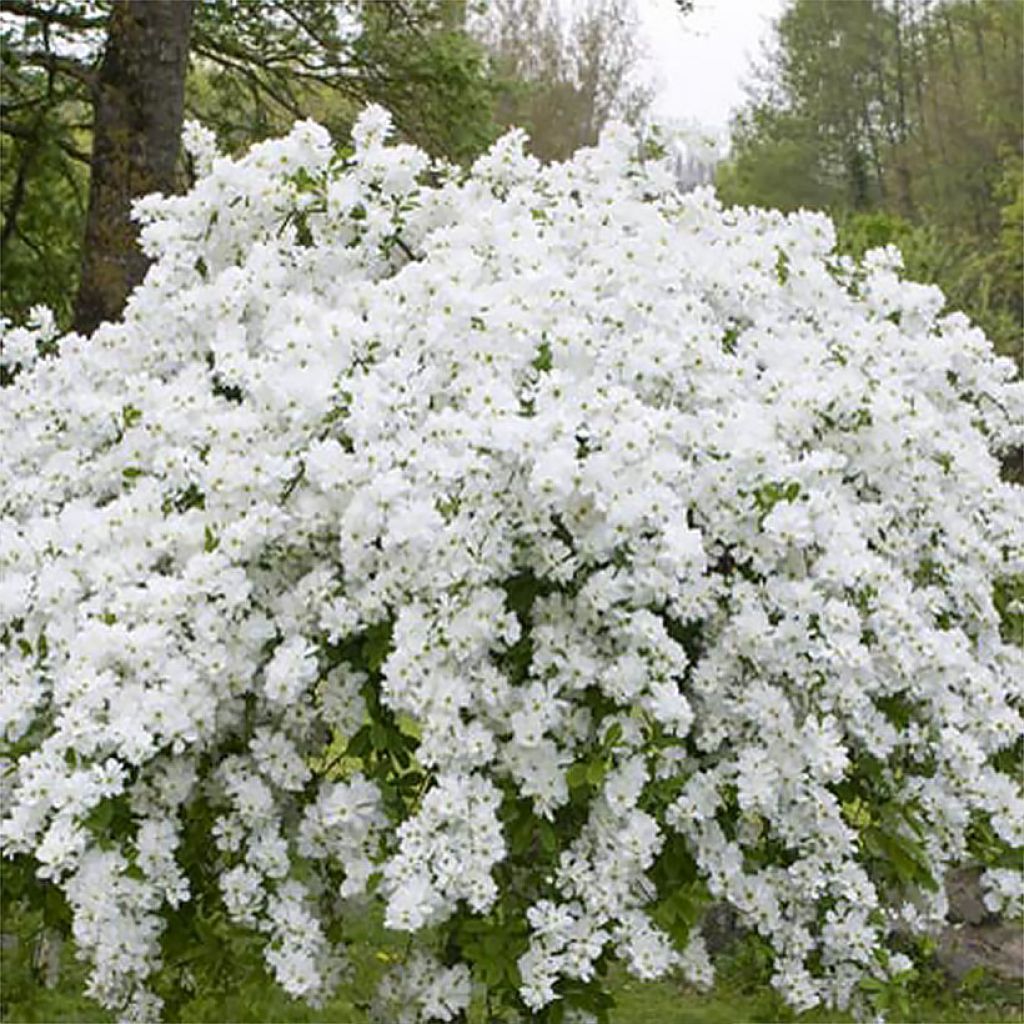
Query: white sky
703, 58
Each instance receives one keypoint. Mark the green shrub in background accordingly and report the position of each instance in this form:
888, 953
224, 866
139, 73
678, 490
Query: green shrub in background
983, 281
904, 122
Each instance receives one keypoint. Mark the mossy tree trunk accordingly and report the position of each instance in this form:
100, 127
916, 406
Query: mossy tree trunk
138, 110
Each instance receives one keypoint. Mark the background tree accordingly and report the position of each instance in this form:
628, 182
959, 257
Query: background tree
903, 118
47, 58
567, 70
252, 70
258, 67
138, 103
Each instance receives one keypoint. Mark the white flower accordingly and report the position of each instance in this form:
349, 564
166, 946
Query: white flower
291, 671
538, 486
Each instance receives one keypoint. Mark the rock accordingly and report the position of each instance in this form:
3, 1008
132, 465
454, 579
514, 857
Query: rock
976, 937
720, 928
999, 948
963, 890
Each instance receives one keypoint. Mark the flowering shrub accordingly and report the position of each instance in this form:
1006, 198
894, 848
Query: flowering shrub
538, 555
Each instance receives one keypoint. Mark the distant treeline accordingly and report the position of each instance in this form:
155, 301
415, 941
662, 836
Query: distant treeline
903, 118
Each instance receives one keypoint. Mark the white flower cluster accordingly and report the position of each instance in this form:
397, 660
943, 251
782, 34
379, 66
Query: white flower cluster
668, 525
445, 853
422, 989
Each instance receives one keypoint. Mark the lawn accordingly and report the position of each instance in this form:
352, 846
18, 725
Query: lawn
667, 1002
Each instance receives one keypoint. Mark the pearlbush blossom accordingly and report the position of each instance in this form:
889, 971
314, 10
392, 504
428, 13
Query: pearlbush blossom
538, 555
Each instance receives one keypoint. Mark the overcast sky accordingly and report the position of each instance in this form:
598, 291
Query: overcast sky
703, 58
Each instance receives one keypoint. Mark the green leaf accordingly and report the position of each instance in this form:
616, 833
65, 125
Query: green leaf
520, 593
56, 912
100, 818
360, 744
548, 839
612, 736
781, 265
906, 857
542, 361
377, 645
770, 494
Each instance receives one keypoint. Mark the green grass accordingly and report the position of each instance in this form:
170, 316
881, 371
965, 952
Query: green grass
738, 998
660, 1003
665, 1003
638, 1003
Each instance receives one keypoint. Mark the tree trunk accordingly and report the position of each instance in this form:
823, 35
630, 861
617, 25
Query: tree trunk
902, 170
138, 109
979, 41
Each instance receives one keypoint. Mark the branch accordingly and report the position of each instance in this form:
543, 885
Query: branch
24, 9
280, 56
62, 65
17, 196
27, 156
401, 243
16, 131
252, 77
